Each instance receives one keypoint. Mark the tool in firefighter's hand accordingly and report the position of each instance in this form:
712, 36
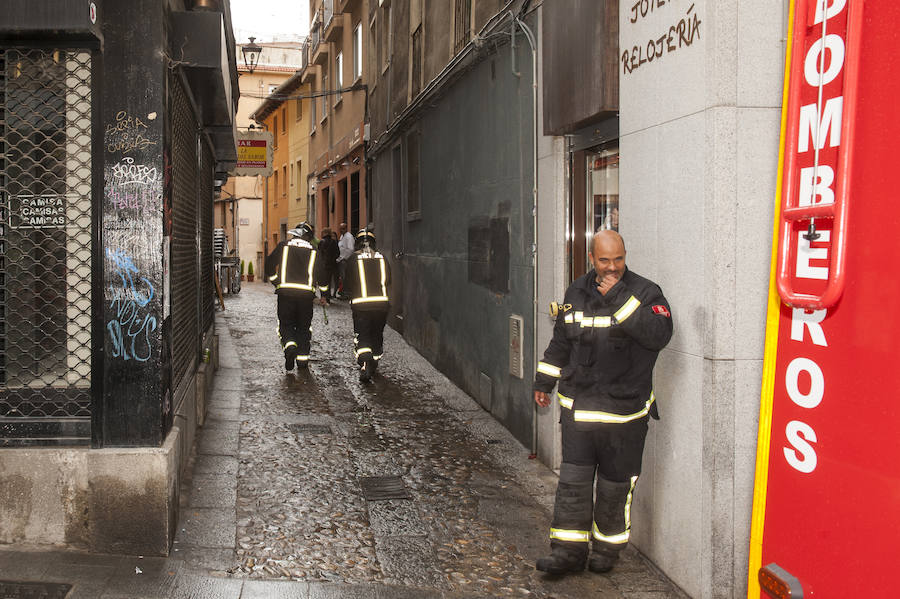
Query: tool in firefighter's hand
556, 308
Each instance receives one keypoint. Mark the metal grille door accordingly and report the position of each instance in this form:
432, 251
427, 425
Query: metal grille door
185, 266
45, 246
207, 286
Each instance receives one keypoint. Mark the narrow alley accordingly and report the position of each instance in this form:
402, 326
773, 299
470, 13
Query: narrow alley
312, 484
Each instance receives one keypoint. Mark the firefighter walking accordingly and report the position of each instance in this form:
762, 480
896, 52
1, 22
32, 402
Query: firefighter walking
607, 336
294, 270
367, 279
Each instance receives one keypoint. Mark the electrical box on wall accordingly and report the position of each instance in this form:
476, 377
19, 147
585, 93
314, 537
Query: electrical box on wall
516, 329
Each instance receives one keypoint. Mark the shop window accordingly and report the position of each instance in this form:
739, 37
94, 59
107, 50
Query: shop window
595, 201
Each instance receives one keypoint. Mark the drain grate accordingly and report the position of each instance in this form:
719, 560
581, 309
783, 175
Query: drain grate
10, 589
380, 488
310, 429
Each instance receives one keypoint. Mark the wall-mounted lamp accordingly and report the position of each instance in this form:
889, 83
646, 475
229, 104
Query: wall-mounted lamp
345, 164
251, 53
356, 160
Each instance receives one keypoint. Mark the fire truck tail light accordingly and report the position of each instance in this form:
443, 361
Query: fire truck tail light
778, 584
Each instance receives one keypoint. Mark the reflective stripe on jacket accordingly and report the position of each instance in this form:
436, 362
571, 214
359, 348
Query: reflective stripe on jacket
294, 269
368, 279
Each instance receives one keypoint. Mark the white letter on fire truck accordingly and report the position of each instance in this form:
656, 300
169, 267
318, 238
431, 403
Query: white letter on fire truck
834, 44
805, 253
798, 433
836, 7
799, 317
816, 382
810, 190
810, 118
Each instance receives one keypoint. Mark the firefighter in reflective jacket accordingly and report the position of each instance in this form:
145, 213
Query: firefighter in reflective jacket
607, 336
368, 279
295, 272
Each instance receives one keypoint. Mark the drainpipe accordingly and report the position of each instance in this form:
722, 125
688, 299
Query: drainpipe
532, 41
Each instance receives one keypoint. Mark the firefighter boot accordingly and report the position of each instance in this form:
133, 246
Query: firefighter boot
570, 528
602, 559
612, 522
561, 561
290, 356
365, 375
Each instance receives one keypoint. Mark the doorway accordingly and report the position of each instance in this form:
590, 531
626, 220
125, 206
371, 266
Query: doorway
397, 246
594, 201
354, 203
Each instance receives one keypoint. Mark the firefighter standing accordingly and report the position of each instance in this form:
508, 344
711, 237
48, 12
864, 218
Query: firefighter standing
367, 279
605, 342
296, 274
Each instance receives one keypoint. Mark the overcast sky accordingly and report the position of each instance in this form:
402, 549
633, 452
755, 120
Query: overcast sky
269, 20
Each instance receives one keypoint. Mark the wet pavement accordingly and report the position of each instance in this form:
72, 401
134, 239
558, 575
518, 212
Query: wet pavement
312, 484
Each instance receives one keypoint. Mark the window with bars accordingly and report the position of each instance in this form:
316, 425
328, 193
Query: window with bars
338, 75
386, 25
324, 97
462, 24
357, 52
46, 244
416, 60
412, 173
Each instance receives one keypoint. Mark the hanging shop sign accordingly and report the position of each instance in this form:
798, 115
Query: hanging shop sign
254, 154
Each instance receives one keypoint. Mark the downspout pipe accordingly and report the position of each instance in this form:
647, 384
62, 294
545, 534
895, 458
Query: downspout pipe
532, 41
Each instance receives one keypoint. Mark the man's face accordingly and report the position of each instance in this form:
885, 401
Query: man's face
608, 257
343, 229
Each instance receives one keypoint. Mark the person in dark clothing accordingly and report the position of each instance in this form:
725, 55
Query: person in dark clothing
607, 336
367, 279
329, 252
296, 272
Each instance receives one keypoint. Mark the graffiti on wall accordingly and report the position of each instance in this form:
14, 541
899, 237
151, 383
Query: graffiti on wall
132, 322
133, 187
681, 33
127, 134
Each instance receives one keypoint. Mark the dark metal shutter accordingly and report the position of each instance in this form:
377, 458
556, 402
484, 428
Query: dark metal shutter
184, 258
207, 286
46, 246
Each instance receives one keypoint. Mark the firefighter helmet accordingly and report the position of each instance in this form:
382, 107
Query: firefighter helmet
365, 239
302, 230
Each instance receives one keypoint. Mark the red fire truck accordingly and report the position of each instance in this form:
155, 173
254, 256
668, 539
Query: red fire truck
826, 514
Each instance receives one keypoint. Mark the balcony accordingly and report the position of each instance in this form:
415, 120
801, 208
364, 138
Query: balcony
304, 53
320, 53
310, 73
327, 12
335, 27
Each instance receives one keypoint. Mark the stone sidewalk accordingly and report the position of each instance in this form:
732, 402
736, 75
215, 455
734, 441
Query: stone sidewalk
312, 484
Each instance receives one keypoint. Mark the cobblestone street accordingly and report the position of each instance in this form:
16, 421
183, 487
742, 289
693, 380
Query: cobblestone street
477, 509
276, 502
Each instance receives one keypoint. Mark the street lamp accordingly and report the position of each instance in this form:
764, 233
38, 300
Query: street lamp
251, 54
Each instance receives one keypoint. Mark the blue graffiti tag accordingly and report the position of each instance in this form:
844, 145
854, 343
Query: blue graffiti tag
130, 295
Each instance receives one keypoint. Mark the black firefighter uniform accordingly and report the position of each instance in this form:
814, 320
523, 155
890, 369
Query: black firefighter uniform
296, 273
368, 278
602, 355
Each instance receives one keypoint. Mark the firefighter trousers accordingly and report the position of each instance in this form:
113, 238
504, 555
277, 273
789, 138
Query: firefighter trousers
294, 320
609, 455
368, 335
